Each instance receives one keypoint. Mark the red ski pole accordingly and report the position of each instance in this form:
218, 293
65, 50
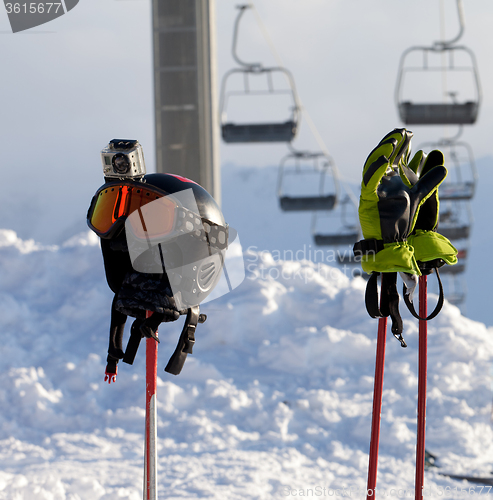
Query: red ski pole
150, 455
422, 364
377, 408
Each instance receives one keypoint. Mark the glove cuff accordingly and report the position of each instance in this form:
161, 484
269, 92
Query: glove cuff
394, 257
430, 245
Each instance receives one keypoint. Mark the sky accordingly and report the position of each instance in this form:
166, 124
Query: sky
71, 85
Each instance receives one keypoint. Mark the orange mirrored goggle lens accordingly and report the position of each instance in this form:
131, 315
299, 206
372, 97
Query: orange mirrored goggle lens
118, 201
105, 209
153, 220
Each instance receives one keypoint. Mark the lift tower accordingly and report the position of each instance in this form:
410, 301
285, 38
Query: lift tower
185, 100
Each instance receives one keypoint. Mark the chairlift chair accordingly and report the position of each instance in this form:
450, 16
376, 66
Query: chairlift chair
453, 283
452, 224
459, 268
455, 287
347, 235
318, 164
456, 298
438, 113
270, 131
456, 232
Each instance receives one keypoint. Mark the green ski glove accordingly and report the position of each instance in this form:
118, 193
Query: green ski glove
389, 207
431, 249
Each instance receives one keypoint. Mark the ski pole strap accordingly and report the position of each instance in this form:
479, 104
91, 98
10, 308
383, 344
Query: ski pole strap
133, 342
117, 326
438, 307
115, 352
389, 302
365, 247
371, 296
186, 341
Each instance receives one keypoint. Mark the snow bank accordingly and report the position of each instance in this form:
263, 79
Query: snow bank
275, 400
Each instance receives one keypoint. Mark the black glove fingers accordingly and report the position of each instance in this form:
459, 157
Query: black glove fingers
389, 151
427, 219
379, 155
428, 183
416, 164
433, 159
408, 176
396, 135
401, 153
422, 164
371, 173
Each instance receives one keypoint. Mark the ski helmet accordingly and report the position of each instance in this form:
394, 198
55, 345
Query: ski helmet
172, 225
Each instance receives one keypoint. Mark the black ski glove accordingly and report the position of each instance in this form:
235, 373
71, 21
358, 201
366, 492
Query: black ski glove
388, 211
388, 207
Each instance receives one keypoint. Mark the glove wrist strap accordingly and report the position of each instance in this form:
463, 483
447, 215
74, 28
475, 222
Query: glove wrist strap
389, 302
409, 303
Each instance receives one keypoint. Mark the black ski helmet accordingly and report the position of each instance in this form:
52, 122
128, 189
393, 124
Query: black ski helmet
191, 254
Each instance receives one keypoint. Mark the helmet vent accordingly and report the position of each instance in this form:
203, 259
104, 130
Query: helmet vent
206, 276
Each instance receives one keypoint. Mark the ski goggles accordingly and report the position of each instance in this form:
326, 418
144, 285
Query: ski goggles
113, 203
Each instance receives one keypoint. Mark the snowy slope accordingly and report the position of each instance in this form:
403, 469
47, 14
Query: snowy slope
277, 394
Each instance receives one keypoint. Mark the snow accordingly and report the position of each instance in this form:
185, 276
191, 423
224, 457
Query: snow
275, 401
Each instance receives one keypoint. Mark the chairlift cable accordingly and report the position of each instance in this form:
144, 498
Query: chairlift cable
242, 8
444, 56
447, 43
304, 111
276, 131
444, 61
280, 62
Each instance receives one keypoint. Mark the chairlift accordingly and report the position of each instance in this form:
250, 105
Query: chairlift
348, 234
453, 112
454, 284
460, 183
456, 298
270, 131
303, 166
455, 287
456, 232
452, 224
457, 269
